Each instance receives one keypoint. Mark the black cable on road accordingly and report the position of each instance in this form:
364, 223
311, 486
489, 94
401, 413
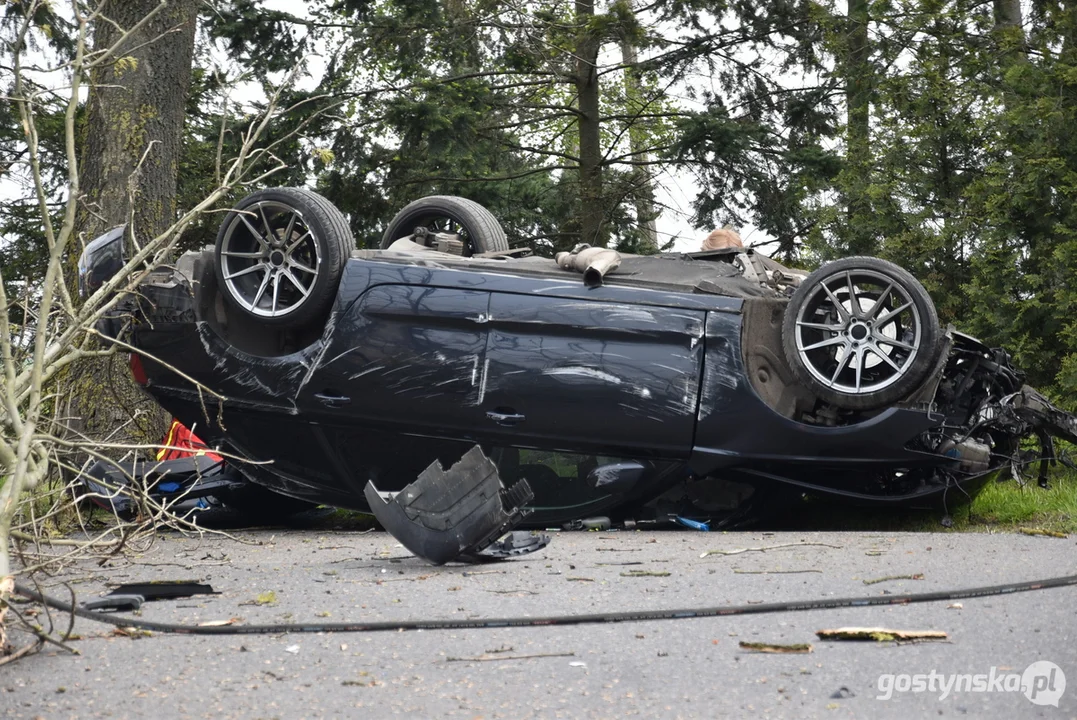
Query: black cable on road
589, 619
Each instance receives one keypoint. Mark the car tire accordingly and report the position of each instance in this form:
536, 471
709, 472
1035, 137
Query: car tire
861, 333
280, 254
475, 224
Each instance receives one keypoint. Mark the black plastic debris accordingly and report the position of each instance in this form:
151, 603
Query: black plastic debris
457, 514
115, 602
164, 589
132, 595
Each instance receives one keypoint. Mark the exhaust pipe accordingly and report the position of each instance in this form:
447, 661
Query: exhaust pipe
593, 262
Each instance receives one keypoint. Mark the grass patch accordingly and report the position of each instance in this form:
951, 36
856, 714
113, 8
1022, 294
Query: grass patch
1009, 506
999, 507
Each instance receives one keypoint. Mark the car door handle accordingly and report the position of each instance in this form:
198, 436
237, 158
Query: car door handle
333, 401
508, 418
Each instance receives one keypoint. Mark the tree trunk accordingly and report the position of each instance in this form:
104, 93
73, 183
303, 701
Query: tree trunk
643, 183
130, 156
858, 75
592, 206
135, 110
1008, 30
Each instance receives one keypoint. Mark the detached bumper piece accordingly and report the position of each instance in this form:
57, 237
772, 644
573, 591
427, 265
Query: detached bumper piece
458, 514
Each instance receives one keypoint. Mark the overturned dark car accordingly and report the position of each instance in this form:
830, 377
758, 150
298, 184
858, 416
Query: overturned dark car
715, 386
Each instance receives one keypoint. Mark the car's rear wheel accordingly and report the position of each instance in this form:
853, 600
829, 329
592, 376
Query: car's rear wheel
861, 333
472, 223
280, 254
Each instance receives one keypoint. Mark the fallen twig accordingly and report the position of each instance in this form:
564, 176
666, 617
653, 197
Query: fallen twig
646, 573
738, 571
1041, 531
21, 652
874, 581
879, 634
777, 649
520, 592
491, 658
738, 551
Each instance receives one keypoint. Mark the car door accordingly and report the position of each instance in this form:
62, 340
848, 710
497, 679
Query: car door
582, 375
404, 358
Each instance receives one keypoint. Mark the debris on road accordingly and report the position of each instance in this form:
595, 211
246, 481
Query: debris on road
463, 513
738, 571
876, 581
738, 551
488, 657
267, 598
646, 573
776, 648
879, 634
164, 589
1042, 532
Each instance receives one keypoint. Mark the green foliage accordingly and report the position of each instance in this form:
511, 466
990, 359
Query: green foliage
1021, 289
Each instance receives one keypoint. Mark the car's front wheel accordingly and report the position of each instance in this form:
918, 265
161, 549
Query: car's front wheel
861, 333
280, 254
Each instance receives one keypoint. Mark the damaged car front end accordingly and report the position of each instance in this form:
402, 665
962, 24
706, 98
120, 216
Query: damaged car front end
714, 386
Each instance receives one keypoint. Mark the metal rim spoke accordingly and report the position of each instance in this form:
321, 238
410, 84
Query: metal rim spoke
859, 367
247, 271
838, 340
291, 248
304, 268
820, 326
261, 289
265, 222
854, 300
291, 225
841, 366
881, 301
837, 304
276, 291
886, 358
885, 319
892, 341
292, 279
254, 231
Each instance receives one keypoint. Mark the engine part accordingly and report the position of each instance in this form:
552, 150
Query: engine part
973, 456
593, 262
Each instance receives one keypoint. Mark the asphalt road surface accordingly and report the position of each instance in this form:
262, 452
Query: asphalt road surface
666, 668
